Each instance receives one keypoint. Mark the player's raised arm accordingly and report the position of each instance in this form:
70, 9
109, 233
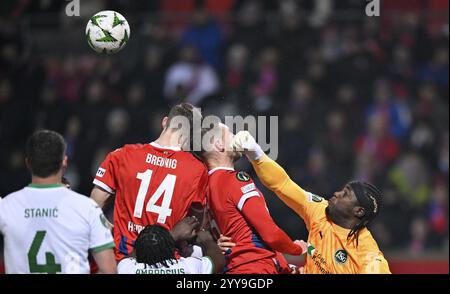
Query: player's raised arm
100, 196
105, 261
101, 241
275, 178
105, 180
255, 212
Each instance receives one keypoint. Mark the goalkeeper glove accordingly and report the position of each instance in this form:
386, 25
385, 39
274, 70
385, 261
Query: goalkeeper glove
243, 141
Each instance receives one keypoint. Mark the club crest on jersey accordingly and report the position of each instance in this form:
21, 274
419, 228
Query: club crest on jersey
101, 172
243, 176
316, 198
341, 256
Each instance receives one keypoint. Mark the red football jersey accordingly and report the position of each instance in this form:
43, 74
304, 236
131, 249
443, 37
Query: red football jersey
152, 185
228, 190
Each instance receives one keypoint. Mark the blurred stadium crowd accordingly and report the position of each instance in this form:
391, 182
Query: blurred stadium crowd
356, 96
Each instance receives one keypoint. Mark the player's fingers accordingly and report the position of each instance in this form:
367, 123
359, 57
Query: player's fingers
192, 220
223, 238
227, 244
303, 245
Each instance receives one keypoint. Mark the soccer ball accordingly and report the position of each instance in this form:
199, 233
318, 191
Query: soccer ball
107, 32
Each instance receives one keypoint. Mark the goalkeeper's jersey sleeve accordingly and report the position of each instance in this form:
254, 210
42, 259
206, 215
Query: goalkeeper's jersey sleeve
305, 204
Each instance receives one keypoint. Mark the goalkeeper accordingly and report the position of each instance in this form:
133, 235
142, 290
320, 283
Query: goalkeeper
339, 241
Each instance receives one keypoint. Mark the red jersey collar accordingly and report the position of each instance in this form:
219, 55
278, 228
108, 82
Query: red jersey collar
154, 144
210, 172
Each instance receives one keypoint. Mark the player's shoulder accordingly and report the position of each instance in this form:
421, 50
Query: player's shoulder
240, 178
131, 148
128, 149
189, 156
13, 197
238, 181
367, 243
231, 174
79, 201
194, 163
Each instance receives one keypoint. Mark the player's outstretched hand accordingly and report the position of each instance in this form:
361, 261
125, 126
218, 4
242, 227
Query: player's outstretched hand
185, 229
243, 141
297, 270
225, 243
302, 244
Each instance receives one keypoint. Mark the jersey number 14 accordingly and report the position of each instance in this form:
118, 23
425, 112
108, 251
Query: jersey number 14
165, 188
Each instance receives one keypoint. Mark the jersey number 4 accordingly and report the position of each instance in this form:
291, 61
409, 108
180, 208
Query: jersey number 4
50, 266
165, 188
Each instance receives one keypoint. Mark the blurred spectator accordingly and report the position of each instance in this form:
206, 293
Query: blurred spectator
205, 35
189, 79
250, 19
376, 149
395, 113
437, 69
411, 178
438, 212
318, 176
266, 79
419, 232
236, 75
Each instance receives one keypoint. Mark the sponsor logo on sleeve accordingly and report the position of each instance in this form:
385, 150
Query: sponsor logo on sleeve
248, 188
101, 172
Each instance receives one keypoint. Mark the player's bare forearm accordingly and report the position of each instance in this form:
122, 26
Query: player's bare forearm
211, 249
105, 261
100, 196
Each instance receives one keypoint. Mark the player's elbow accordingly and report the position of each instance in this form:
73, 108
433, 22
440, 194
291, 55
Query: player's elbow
272, 240
99, 196
105, 261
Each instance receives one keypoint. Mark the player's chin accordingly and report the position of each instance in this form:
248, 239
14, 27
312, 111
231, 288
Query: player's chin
330, 208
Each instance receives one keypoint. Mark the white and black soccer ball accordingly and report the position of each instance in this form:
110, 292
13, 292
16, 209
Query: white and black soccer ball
107, 32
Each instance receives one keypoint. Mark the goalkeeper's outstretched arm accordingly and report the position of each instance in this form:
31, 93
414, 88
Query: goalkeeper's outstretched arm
274, 177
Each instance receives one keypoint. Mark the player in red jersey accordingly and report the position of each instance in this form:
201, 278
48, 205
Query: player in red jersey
240, 212
155, 183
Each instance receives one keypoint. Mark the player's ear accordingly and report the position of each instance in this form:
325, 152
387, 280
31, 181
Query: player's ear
164, 122
359, 211
219, 146
64, 162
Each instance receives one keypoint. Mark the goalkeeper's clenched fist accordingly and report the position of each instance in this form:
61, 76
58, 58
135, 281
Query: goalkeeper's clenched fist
244, 142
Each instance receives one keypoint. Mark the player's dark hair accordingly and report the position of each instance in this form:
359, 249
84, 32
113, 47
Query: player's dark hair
154, 245
45, 151
183, 109
188, 111
370, 198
